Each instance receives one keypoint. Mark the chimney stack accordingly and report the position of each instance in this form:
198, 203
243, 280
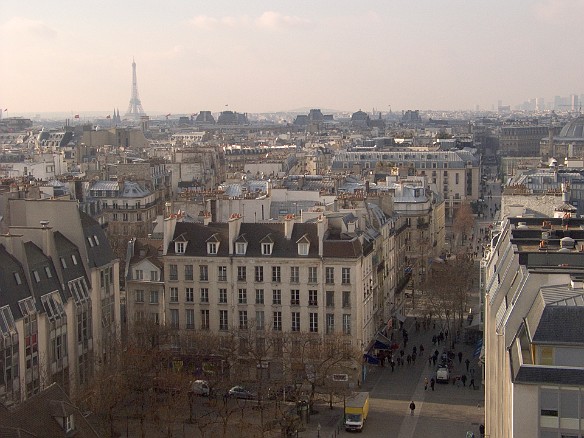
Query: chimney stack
288, 226
234, 227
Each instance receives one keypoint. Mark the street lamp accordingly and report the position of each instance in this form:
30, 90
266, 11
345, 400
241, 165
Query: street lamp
318, 430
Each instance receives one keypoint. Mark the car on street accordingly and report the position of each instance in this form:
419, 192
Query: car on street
201, 387
241, 393
442, 374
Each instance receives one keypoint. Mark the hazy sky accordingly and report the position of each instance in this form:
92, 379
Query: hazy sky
267, 56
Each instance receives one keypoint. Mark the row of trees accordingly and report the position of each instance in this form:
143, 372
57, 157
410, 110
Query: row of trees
149, 379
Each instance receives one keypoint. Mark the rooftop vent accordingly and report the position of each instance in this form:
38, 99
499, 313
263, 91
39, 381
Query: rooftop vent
44, 223
576, 282
522, 226
567, 242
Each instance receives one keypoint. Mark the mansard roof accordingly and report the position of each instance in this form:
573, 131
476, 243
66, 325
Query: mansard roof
198, 234
100, 253
11, 292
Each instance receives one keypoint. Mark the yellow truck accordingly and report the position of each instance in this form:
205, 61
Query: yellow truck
356, 410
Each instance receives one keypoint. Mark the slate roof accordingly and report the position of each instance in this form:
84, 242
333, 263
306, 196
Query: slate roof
100, 254
343, 248
10, 291
560, 325
198, 235
66, 249
550, 375
37, 261
36, 417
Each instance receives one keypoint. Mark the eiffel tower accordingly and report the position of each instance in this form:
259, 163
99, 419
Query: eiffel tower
135, 110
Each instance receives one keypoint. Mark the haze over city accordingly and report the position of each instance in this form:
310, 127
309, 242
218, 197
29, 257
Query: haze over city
261, 56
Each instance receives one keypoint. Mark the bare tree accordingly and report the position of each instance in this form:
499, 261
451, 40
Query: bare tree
463, 221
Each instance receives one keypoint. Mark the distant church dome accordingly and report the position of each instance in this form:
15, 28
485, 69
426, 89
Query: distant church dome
574, 129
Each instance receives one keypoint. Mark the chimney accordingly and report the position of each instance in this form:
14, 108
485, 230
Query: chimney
234, 226
321, 228
288, 226
206, 218
169, 226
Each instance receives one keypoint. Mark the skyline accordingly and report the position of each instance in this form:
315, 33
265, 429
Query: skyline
264, 57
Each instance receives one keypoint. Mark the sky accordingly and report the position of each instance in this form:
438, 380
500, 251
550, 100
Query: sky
256, 56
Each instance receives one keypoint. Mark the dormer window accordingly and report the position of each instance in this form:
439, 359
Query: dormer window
179, 247
303, 245
68, 423
213, 245
267, 245
240, 248
267, 248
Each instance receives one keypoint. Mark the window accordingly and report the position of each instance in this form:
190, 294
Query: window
190, 319
212, 248
223, 324
346, 324
17, 278
139, 296
48, 272
267, 248
276, 278
277, 322
313, 298
330, 275
346, 276
259, 274
173, 272
330, 323
242, 296
189, 272
180, 247
74, 259
456, 176
294, 274
295, 321
330, 298
223, 296
204, 295
153, 275
36, 276
276, 296
294, 297
139, 274
313, 322
189, 295
68, 423
346, 299
174, 294
548, 402
174, 318
240, 248
243, 319
90, 240
205, 319
241, 273
222, 273
312, 274
203, 273
260, 320
259, 296
303, 248
153, 297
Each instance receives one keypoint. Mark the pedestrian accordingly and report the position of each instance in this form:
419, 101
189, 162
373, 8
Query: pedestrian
432, 383
434, 359
425, 383
460, 357
414, 358
414, 350
409, 359
434, 339
392, 363
421, 349
472, 383
429, 360
482, 430
412, 407
463, 378
467, 362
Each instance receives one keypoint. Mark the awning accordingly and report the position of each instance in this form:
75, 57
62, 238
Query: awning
371, 359
478, 348
381, 346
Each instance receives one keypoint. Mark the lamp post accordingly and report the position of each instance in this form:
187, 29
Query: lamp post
318, 430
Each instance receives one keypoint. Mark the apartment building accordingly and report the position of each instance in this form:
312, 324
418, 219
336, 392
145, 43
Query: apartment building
534, 344
59, 298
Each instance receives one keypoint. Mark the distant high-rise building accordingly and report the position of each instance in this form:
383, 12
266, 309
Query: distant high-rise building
135, 110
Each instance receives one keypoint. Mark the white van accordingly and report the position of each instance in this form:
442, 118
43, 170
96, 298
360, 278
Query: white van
201, 387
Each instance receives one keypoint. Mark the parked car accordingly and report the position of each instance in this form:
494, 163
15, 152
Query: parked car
240, 392
442, 375
201, 387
